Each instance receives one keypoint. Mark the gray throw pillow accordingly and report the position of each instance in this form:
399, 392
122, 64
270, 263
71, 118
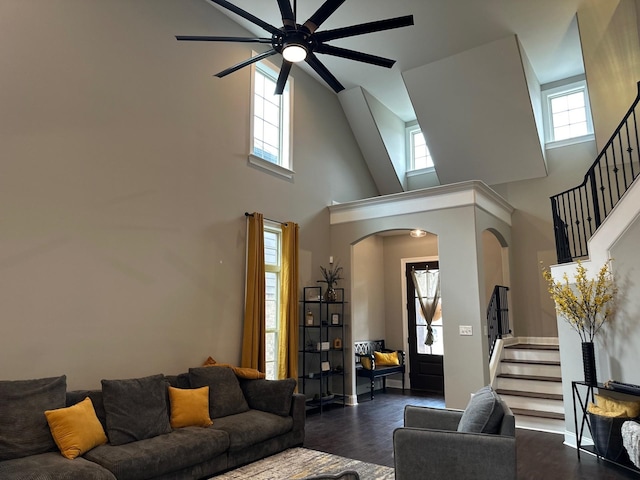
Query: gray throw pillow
273, 396
135, 408
483, 414
225, 395
24, 429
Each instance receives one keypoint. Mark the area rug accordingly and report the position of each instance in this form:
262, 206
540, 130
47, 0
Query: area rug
297, 463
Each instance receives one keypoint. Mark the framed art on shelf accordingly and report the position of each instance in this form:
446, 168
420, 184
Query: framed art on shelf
335, 319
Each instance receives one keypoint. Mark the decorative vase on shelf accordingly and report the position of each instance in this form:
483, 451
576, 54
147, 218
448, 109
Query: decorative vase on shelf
330, 295
589, 363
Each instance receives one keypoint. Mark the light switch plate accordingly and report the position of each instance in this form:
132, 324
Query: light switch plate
466, 329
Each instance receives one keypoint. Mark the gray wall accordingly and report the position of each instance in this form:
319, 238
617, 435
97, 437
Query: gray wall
609, 37
533, 312
459, 233
622, 337
124, 182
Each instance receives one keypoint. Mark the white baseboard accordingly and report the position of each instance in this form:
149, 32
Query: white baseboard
538, 340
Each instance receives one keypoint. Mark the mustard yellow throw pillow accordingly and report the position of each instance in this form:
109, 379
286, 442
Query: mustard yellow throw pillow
76, 429
189, 407
365, 362
627, 409
386, 359
241, 372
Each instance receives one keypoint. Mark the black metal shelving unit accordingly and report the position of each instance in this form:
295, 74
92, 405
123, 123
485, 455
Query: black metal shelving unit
321, 357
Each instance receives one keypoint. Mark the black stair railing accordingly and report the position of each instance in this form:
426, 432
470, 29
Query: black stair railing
579, 211
497, 316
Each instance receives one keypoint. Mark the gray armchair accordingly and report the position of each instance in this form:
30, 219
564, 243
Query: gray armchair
429, 446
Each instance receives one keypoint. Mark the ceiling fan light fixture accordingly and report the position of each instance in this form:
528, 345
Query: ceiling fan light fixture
417, 233
294, 52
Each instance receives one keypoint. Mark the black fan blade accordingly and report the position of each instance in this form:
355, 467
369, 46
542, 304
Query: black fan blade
363, 28
324, 73
353, 55
246, 15
196, 38
255, 59
322, 14
288, 19
282, 78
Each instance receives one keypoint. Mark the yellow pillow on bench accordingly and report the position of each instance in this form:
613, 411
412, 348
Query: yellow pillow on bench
365, 362
386, 359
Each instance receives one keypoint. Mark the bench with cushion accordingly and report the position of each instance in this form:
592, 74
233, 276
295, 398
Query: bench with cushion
373, 361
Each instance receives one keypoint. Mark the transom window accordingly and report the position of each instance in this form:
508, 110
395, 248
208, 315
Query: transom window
271, 118
272, 263
419, 156
567, 112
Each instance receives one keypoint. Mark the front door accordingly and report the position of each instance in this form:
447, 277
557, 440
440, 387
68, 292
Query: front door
426, 370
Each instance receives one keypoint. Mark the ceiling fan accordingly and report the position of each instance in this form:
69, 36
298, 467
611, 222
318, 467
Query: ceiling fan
297, 42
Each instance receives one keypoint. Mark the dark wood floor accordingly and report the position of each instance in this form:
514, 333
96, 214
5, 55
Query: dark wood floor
364, 432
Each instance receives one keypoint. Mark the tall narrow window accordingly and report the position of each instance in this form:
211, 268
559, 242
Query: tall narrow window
271, 118
419, 155
272, 260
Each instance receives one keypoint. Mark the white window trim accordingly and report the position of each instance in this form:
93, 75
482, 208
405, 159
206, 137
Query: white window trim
277, 229
409, 129
547, 95
286, 143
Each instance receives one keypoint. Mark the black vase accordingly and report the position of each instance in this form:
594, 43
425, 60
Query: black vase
330, 295
589, 363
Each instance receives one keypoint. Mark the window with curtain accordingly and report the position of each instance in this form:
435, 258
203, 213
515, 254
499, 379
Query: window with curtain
272, 266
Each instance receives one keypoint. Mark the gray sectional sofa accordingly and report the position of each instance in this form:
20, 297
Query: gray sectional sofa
251, 420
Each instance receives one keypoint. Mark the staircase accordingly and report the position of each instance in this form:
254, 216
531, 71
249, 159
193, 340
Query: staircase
529, 380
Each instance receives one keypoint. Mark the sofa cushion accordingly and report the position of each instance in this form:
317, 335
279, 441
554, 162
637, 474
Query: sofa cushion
23, 427
52, 466
251, 427
162, 454
272, 396
75, 429
483, 414
136, 408
189, 407
76, 396
225, 394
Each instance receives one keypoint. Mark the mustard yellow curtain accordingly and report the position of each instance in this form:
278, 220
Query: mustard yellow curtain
253, 337
288, 321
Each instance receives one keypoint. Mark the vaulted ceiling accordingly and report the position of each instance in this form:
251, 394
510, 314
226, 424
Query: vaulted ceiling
466, 71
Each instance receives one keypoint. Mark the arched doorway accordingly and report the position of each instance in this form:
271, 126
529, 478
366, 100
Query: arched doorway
379, 290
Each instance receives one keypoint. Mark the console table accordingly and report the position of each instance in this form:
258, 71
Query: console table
583, 393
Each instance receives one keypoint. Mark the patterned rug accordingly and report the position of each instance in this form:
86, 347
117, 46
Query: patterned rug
297, 463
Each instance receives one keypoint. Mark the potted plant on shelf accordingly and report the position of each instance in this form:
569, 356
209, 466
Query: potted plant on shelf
586, 305
331, 276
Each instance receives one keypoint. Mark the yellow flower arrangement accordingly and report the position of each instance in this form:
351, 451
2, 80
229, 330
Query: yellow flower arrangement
588, 304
